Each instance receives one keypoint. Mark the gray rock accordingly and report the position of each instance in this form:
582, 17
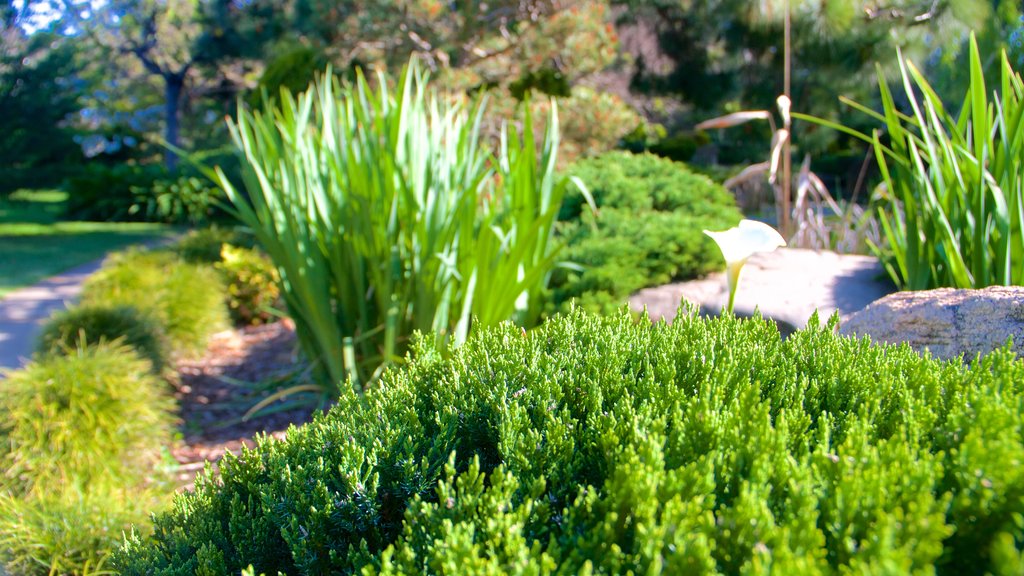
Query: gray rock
787, 285
950, 323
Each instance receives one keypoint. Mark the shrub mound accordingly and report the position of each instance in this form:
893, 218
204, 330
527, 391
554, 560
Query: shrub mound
599, 445
80, 440
648, 230
93, 413
186, 300
77, 327
253, 286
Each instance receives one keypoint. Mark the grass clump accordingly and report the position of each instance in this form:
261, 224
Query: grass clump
647, 231
70, 531
84, 325
187, 300
599, 445
80, 439
95, 412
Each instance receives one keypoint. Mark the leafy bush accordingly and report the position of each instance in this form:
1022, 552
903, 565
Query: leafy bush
203, 246
185, 199
80, 326
93, 413
79, 441
186, 300
253, 287
133, 192
952, 206
105, 193
648, 231
402, 223
600, 445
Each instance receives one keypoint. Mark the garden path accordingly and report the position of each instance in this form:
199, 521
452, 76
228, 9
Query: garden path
23, 311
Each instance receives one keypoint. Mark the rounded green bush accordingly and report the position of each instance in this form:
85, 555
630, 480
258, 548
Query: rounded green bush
601, 445
647, 231
204, 246
80, 326
97, 413
186, 300
253, 285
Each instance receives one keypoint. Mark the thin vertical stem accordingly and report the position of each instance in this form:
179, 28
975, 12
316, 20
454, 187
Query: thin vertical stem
784, 222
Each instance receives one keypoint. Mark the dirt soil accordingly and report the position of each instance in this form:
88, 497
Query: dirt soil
215, 392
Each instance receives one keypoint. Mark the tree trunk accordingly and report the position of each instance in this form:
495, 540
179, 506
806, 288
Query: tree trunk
173, 87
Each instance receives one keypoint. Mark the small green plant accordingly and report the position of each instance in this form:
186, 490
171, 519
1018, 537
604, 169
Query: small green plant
67, 331
646, 231
97, 412
186, 300
385, 214
607, 446
952, 203
81, 436
253, 287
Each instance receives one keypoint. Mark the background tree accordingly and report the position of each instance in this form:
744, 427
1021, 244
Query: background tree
39, 94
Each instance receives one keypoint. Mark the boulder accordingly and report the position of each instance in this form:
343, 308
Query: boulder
950, 323
787, 285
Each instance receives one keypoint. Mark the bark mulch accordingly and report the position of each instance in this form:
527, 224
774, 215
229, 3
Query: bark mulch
215, 392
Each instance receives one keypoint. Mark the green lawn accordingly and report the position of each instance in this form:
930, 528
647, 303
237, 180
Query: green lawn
35, 243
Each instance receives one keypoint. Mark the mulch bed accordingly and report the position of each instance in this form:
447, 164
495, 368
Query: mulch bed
215, 392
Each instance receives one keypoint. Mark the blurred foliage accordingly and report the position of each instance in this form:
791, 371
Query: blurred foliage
39, 92
185, 300
253, 285
80, 458
67, 331
647, 229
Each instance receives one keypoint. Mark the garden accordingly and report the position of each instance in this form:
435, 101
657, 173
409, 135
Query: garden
364, 300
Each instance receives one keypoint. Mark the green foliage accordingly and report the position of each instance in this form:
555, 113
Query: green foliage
203, 246
67, 331
66, 531
39, 92
133, 192
253, 286
80, 438
601, 445
97, 413
291, 70
186, 300
187, 199
106, 193
647, 231
385, 215
952, 206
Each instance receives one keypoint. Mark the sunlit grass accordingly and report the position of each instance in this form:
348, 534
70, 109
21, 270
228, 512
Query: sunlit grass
36, 244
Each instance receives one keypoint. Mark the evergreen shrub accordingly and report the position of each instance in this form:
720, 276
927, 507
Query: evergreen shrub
601, 445
648, 229
187, 300
80, 326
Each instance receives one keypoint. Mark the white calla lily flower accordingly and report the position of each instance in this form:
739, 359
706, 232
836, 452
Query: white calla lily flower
740, 243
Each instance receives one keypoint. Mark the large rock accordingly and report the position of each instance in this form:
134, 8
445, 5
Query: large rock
950, 323
787, 285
